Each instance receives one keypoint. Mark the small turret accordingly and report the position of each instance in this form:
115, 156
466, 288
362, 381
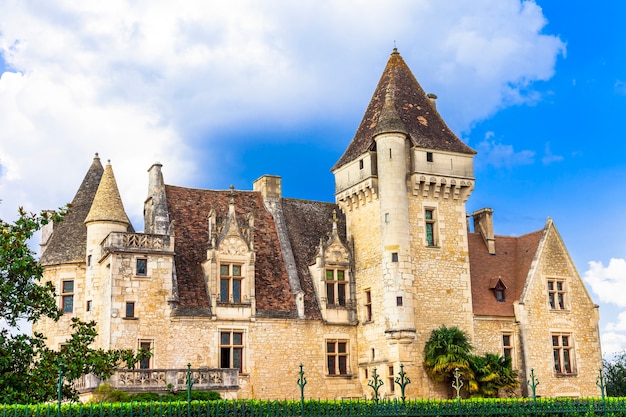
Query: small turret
106, 214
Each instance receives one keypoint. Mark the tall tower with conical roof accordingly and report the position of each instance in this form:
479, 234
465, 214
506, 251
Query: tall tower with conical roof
106, 216
403, 182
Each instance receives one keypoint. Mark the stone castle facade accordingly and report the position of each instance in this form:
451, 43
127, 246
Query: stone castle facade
259, 283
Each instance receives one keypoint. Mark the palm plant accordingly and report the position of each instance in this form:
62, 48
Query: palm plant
448, 349
492, 373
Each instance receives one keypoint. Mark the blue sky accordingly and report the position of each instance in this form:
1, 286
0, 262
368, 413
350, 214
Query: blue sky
222, 94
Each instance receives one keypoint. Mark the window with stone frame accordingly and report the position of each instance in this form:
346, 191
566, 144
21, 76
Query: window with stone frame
130, 309
507, 345
336, 287
563, 354
337, 356
368, 305
390, 379
556, 294
231, 280
141, 267
67, 296
231, 349
146, 346
430, 226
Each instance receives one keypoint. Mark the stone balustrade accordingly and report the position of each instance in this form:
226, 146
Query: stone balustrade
138, 241
155, 380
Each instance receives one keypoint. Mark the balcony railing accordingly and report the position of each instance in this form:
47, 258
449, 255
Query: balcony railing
137, 380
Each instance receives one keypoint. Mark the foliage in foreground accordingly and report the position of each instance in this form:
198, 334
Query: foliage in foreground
29, 370
615, 375
521, 407
448, 350
105, 393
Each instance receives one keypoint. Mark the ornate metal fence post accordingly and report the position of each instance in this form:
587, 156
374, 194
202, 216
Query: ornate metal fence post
189, 385
402, 381
533, 382
60, 390
301, 384
375, 383
457, 384
601, 383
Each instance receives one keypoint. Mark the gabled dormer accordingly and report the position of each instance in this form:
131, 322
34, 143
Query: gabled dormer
229, 265
333, 278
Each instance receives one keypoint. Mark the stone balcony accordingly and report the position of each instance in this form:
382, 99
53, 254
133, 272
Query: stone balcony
225, 381
138, 242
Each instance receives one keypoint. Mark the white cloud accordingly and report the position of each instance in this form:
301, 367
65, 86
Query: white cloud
152, 80
609, 282
501, 155
549, 157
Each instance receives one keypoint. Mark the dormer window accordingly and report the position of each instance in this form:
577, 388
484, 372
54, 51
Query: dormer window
336, 285
498, 289
230, 283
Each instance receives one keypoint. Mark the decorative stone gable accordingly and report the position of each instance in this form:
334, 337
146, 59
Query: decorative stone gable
229, 265
333, 278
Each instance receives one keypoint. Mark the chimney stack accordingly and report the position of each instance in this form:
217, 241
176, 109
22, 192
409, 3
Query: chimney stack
433, 99
483, 224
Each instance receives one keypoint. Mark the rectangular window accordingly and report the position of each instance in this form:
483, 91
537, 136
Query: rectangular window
145, 346
130, 309
399, 301
368, 305
337, 357
429, 216
231, 349
88, 308
142, 267
556, 294
429, 157
563, 353
336, 286
391, 381
89, 260
230, 283
394, 256
507, 345
360, 164
67, 296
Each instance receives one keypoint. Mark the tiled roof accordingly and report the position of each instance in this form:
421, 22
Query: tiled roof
511, 263
425, 127
107, 204
307, 223
68, 240
189, 209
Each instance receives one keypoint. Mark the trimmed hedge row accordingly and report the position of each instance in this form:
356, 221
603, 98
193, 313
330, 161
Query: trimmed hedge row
544, 407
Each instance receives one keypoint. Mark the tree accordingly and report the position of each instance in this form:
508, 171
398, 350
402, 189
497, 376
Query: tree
447, 350
615, 375
492, 373
28, 368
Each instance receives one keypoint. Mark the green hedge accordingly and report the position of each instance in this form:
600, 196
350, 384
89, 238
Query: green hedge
544, 407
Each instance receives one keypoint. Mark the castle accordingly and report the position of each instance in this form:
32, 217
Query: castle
244, 286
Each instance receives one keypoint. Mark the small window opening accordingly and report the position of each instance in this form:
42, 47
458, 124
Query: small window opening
130, 309
399, 301
387, 218
142, 267
394, 257
360, 164
429, 157
88, 308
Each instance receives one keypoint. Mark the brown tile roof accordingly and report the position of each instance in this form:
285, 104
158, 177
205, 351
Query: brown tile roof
188, 209
511, 263
68, 240
107, 204
307, 223
424, 125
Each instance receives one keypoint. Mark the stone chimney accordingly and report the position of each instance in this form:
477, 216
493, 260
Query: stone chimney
156, 215
433, 99
483, 224
270, 186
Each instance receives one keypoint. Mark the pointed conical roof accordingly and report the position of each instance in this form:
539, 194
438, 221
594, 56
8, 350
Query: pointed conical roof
68, 240
421, 121
107, 204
